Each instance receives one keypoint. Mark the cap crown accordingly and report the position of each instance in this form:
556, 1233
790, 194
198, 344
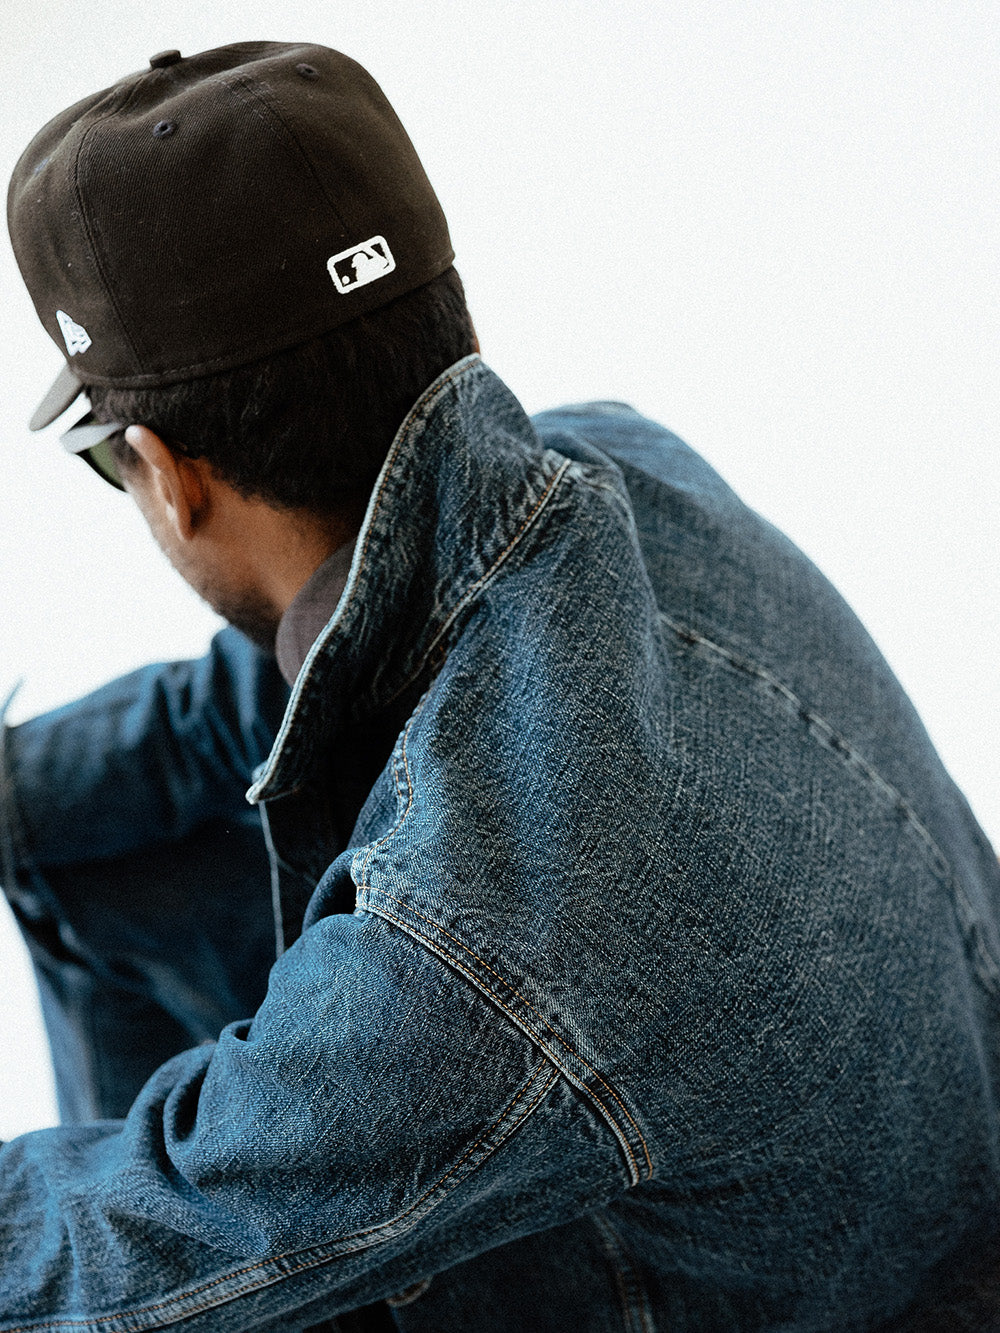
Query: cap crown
183, 221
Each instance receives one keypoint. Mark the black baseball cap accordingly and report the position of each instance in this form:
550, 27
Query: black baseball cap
216, 208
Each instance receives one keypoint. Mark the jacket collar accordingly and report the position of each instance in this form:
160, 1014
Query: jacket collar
462, 482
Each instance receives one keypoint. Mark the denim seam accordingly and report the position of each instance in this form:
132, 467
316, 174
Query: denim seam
96, 249
987, 969
251, 91
424, 403
635, 1306
623, 1138
448, 955
340, 1243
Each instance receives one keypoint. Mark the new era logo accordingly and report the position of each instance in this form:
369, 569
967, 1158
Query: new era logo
362, 264
76, 336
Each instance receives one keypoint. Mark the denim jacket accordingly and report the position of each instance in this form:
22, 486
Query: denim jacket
618, 954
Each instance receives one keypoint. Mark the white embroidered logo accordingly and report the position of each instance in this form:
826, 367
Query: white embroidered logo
77, 337
361, 264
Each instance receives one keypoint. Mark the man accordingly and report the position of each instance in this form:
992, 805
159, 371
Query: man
613, 951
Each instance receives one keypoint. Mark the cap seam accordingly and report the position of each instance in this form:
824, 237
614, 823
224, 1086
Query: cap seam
96, 249
255, 90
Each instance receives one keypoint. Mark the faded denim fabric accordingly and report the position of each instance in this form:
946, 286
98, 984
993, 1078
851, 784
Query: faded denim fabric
617, 954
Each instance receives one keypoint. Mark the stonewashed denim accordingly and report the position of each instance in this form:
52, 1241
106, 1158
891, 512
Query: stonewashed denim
636, 963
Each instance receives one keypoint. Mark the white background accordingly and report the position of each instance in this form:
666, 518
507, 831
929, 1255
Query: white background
773, 226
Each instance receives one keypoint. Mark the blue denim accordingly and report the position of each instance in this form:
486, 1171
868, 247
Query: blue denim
614, 953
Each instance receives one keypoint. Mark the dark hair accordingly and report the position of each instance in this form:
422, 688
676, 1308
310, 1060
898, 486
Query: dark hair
309, 428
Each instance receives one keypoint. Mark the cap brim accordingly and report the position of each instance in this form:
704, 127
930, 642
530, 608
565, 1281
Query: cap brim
65, 391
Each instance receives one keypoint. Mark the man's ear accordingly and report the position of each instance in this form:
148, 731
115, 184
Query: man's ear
177, 486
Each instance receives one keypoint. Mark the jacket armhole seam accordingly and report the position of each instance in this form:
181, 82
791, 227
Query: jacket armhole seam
448, 956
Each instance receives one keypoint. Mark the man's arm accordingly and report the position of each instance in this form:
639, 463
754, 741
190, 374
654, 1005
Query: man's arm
144, 759
376, 1122
136, 869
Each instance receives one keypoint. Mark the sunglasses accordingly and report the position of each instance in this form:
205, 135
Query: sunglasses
92, 440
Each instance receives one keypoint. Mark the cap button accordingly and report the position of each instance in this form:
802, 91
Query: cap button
164, 58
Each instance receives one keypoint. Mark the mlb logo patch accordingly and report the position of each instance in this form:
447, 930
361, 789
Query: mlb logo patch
361, 264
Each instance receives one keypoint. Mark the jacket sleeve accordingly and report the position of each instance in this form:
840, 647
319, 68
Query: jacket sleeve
376, 1122
137, 871
144, 759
